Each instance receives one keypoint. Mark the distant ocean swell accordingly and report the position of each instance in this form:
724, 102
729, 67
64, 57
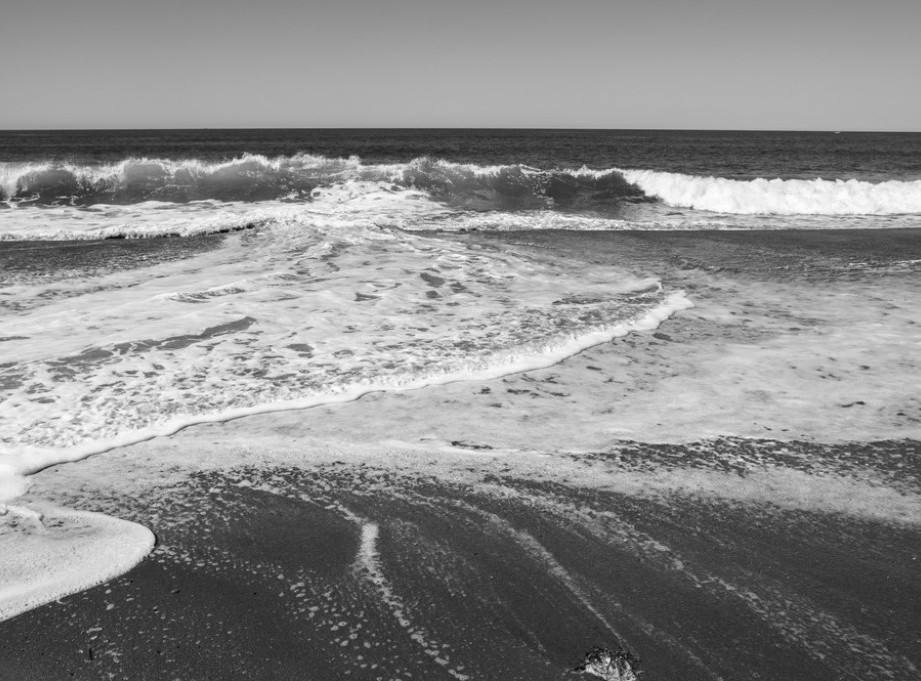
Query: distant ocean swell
255, 178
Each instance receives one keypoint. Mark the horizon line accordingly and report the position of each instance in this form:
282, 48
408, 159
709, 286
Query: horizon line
453, 128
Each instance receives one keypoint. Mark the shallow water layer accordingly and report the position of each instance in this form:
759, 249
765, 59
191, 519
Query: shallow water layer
502, 528
470, 563
587, 389
283, 315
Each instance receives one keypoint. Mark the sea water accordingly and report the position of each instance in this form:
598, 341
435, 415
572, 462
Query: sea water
150, 280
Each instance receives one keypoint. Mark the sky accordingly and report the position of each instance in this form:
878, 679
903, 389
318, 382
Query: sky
692, 64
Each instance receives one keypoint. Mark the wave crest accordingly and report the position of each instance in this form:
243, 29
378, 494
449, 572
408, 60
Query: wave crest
255, 178
249, 178
779, 197
517, 186
258, 178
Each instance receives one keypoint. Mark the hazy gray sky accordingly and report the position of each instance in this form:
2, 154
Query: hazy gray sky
773, 64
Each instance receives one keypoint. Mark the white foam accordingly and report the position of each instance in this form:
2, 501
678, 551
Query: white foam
788, 488
25, 460
505, 221
349, 203
822, 491
343, 204
12, 484
313, 308
165, 174
369, 564
256, 177
784, 197
49, 553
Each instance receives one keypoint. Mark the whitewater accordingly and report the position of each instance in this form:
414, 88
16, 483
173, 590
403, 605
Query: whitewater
286, 303
142, 294
253, 178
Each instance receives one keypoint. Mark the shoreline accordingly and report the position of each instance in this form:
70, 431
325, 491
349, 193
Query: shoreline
297, 560
535, 362
666, 492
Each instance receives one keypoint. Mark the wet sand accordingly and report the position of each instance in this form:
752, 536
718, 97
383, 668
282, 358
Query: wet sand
494, 567
501, 529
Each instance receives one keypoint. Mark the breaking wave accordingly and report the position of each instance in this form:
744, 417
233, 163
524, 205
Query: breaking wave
258, 178
298, 178
779, 197
337, 207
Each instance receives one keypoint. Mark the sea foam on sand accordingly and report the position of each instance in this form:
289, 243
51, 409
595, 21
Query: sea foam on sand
53, 552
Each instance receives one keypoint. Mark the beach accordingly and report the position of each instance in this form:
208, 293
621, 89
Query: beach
733, 493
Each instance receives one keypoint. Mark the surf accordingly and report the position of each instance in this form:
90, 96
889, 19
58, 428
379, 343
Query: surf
778, 196
299, 178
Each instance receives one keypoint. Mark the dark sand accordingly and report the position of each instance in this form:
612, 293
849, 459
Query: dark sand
496, 576
728, 558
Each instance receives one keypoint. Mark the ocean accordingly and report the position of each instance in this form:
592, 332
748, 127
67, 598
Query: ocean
620, 318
